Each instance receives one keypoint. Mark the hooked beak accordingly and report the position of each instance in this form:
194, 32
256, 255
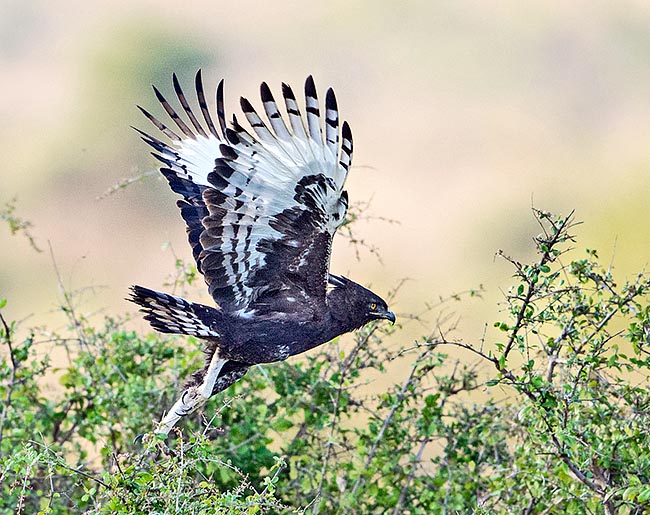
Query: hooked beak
387, 315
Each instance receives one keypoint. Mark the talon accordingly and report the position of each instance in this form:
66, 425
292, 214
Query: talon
193, 397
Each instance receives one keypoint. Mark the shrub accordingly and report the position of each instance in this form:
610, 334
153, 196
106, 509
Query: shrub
564, 431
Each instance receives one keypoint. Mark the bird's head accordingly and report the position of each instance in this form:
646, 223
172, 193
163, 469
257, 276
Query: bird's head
356, 304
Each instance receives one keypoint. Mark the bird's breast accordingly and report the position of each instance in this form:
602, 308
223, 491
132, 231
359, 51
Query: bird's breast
269, 341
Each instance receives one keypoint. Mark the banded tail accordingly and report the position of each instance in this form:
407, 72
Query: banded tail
169, 314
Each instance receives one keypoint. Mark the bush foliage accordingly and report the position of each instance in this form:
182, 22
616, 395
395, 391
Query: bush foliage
561, 427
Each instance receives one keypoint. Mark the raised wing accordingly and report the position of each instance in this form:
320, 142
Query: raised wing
261, 207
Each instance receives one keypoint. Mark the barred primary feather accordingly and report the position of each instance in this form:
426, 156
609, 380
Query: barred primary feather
256, 203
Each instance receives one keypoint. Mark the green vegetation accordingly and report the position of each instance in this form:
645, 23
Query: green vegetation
564, 429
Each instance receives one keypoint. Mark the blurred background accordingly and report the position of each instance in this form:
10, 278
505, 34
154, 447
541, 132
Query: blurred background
464, 115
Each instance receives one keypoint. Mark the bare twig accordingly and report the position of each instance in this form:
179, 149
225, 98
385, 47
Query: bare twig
547, 247
68, 306
125, 183
63, 464
17, 224
25, 482
12, 377
389, 417
409, 478
344, 368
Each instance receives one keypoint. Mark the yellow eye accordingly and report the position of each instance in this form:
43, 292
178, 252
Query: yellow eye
373, 305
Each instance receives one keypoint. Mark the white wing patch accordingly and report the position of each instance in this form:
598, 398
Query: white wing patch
198, 157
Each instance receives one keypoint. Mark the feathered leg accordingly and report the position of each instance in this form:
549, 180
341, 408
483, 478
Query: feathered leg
193, 397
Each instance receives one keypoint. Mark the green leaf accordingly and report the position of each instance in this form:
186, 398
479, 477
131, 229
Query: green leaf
282, 424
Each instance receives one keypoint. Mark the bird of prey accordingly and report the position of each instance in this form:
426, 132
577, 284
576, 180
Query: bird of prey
261, 208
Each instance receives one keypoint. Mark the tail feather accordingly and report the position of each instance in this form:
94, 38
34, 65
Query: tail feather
169, 314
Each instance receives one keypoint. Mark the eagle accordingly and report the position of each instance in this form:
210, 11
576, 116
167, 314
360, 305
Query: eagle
261, 207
